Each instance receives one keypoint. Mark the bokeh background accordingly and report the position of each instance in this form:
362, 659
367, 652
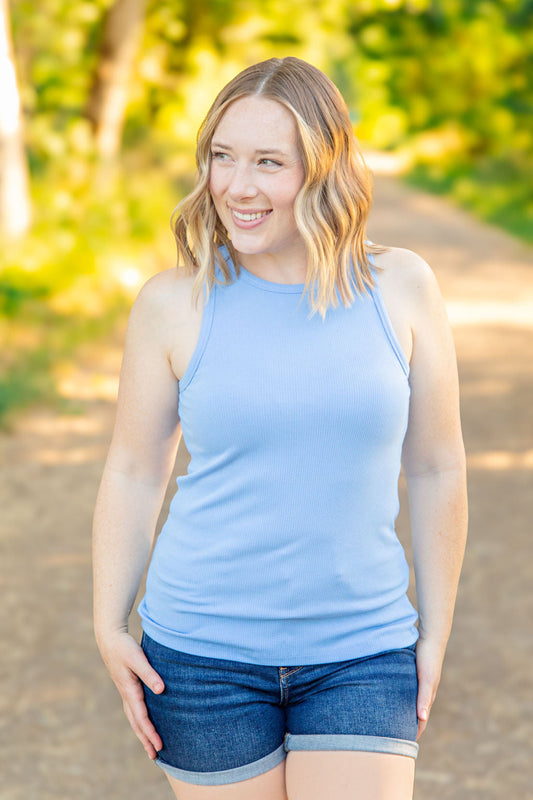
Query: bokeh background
99, 106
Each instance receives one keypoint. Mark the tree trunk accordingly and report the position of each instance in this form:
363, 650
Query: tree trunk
108, 97
15, 204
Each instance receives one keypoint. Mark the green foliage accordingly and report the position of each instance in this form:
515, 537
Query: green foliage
448, 83
447, 61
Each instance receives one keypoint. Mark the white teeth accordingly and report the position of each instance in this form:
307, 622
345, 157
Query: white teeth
250, 217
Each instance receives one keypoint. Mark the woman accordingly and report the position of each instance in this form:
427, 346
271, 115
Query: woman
280, 659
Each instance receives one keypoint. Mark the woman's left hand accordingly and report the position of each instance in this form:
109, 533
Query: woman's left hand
429, 658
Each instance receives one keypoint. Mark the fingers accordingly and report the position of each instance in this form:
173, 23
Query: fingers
142, 667
137, 714
421, 729
423, 711
134, 703
423, 708
429, 665
424, 702
129, 669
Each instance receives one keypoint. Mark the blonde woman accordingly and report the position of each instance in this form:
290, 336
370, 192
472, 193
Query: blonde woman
280, 658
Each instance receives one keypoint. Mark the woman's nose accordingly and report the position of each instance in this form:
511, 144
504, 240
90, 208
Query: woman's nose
241, 184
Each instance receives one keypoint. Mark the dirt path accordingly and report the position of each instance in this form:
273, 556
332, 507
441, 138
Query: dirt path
63, 735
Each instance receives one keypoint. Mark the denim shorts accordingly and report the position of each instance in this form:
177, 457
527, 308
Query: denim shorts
225, 721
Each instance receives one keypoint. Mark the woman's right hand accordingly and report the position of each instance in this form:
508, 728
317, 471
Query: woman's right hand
128, 667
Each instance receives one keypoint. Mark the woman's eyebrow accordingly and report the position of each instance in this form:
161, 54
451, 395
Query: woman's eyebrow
271, 151
259, 152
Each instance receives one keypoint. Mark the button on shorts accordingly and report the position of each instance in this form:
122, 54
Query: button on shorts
225, 721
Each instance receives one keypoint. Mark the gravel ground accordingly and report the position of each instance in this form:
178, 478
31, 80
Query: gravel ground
63, 733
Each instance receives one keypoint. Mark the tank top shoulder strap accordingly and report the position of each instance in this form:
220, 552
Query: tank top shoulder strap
208, 311
377, 297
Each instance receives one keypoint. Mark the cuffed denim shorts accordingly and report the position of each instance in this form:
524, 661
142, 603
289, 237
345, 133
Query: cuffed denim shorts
225, 721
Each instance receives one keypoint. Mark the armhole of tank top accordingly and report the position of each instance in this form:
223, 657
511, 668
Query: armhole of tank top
385, 320
203, 336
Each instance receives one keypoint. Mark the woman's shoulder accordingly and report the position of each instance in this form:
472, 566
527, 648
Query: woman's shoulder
403, 265
406, 275
164, 310
410, 293
174, 283
167, 293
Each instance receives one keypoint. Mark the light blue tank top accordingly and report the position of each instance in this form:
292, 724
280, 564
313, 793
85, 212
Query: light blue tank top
280, 545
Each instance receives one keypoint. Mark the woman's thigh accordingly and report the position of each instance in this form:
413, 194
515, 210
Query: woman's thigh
267, 786
343, 775
313, 775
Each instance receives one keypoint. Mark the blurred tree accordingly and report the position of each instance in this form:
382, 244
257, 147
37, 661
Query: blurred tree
449, 77
15, 205
108, 96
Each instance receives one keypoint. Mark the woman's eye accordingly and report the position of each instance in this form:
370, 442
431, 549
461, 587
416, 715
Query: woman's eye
269, 162
219, 156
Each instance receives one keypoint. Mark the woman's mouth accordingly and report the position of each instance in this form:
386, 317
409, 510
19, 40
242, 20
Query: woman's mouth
249, 219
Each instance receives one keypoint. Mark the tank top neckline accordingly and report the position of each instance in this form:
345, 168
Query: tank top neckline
266, 285
374, 293
269, 286
255, 280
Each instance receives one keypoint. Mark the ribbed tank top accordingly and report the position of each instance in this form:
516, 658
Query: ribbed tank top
280, 545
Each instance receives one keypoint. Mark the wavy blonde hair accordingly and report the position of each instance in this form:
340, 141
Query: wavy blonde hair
332, 207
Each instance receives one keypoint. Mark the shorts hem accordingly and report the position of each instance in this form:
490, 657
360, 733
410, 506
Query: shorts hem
330, 741
225, 775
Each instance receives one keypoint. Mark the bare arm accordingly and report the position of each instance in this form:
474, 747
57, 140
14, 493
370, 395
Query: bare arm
137, 470
434, 467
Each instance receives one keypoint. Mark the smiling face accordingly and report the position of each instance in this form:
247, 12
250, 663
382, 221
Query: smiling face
256, 173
